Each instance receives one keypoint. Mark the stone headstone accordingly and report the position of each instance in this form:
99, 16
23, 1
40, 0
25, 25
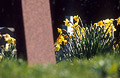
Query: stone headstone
38, 31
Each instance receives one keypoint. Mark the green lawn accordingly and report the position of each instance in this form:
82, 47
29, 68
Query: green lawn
97, 67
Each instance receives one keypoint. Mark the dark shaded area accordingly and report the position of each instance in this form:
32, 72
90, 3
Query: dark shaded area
90, 11
11, 16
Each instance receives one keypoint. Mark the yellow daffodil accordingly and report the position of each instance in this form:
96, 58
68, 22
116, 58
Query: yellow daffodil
67, 22
76, 18
59, 30
118, 21
106, 21
12, 40
57, 47
117, 45
100, 23
6, 37
111, 20
60, 39
9, 39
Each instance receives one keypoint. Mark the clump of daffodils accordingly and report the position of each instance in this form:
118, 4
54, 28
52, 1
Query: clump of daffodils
86, 42
60, 40
8, 50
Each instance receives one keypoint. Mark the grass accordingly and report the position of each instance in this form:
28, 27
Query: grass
98, 67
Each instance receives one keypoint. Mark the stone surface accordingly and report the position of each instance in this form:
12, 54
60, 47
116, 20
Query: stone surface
38, 31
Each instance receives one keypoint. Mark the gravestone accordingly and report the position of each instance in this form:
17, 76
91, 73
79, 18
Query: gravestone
31, 21
38, 31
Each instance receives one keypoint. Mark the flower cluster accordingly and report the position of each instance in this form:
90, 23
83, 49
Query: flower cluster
8, 50
107, 25
85, 41
9, 39
60, 40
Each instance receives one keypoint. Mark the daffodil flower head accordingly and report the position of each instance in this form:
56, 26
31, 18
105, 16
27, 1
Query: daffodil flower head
117, 45
67, 22
12, 41
62, 37
100, 23
106, 21
76, 18
57, 47
59, 30
111, 20
6, 37
59, 41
